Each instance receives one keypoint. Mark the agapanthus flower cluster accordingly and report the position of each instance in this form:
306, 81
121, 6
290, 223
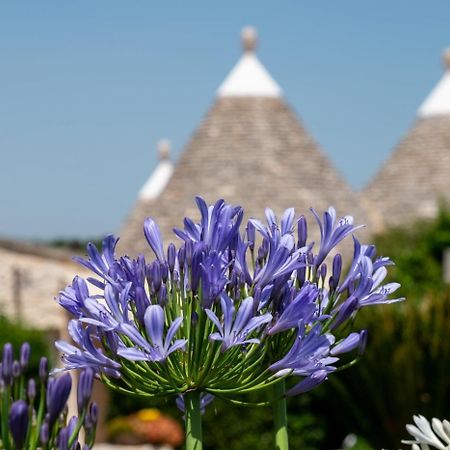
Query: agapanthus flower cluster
231, 309
34, 411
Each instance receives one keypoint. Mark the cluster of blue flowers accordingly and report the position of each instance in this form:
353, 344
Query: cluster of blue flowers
231, 310
34, 411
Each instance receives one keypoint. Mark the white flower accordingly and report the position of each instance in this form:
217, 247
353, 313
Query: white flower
436, 435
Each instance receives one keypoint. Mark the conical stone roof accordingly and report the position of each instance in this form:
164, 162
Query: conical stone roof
416, 178
250, 149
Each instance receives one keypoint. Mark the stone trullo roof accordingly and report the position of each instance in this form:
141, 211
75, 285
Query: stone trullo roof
250, 149
416, 177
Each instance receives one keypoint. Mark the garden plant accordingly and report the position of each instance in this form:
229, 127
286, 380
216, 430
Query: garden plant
232, 310
34, 410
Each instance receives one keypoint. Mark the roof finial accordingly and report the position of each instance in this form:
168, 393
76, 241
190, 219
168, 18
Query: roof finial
249, 37
164, 149
446, 58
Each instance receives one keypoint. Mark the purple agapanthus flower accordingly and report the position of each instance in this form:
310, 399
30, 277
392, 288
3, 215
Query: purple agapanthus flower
309, 353
159, 348
229, 306
238, 324
332, 232
86, 354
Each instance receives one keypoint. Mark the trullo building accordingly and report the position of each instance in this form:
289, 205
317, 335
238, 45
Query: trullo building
250, 149
416, 177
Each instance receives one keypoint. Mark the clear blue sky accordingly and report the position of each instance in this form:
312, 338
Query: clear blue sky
88, 87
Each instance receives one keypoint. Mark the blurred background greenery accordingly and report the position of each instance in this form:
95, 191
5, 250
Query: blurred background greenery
405, 370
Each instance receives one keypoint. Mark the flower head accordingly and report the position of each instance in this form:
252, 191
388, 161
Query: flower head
227, 310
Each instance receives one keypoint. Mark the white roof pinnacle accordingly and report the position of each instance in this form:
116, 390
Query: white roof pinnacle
249, 78
438, 101
158, 180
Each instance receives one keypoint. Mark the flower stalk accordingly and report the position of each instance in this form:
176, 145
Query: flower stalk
194, 436
280, 416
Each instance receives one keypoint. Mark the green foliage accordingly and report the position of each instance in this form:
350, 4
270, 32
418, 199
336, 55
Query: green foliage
417, 252
238, 427
74, 245
16, 334
406, 367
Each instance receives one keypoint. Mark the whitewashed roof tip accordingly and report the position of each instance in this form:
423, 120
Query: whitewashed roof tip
158, 180
438, 101
249, 78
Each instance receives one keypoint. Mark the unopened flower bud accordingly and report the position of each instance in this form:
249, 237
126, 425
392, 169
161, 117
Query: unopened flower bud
44, 433
162, 295
31, 389
181, 258
93, 413
24, 355
189, 248
43, 369
251, 235
302, 230
323, 272
194, 319
57, 397
164, 272
63, 439
18, 422
7, 363
84, 389
337, 268
16, 370
171, 253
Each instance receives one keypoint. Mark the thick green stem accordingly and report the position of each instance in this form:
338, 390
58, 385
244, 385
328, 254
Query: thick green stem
280, 416
193, 414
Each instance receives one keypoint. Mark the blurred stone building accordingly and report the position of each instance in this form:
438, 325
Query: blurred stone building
250, 149
416, 177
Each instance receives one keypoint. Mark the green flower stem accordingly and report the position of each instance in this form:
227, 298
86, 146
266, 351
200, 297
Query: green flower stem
280, 416
193, 414
4, 418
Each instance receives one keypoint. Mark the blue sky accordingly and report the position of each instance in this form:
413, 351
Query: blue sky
87, 88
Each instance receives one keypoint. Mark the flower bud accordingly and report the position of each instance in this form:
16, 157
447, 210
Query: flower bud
31, 390
93, 414
44, 433
337, 268
162, 295
171, 253
251, 236
43, 369
189, 249
18, 422
7, 363
24, 355
181, 258
164, 272
302, 230
57, 395
194, 319
323, 272
16, 370
63, 439
142, 303
156, 275
84, 389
